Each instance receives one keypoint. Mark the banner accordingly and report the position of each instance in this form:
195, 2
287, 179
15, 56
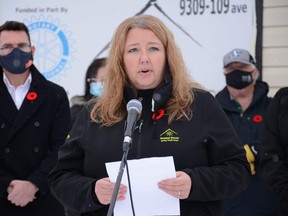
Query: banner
69, 34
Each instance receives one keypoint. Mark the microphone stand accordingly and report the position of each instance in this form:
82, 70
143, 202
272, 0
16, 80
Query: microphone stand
126, 146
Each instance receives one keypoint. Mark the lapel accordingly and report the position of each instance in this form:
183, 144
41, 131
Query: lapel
8, 110
30, 106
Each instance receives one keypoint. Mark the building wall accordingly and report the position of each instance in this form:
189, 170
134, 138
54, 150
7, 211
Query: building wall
275, 44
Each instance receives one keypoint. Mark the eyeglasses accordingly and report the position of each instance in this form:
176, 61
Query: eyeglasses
89, 80
7, 49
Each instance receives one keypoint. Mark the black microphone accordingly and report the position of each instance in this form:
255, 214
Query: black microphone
134, 107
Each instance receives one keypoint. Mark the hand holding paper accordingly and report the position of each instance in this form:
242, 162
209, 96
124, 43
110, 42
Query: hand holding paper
179, 187
104, 190
148, 199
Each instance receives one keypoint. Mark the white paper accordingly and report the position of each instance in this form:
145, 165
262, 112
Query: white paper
148, 199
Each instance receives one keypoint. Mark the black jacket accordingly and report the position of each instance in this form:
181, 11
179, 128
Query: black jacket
257, 199
31, 136
275, 148
206, 148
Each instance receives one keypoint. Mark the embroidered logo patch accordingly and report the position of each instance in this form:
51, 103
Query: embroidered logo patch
169, 136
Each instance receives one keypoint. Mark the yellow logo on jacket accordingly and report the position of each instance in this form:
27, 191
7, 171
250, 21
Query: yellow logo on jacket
169, 136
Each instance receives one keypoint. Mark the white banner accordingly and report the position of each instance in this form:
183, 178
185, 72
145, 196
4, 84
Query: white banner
69, 34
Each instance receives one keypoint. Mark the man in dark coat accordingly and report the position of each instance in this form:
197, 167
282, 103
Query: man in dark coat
245, 101
34, 122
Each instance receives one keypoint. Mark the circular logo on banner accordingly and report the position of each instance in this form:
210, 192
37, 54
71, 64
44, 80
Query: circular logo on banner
53, 46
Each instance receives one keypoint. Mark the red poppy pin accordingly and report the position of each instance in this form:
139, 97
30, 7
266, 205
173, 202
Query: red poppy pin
158, 115
31, 96
257, 118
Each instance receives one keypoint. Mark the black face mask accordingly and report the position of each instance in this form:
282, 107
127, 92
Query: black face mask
239, 79
15, 61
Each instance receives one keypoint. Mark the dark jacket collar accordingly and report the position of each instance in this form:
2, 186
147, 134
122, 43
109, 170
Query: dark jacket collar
224, 98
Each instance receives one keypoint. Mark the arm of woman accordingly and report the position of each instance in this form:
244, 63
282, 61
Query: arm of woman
228, 171
67, 180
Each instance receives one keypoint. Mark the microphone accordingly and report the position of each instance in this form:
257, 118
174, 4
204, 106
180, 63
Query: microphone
134, 107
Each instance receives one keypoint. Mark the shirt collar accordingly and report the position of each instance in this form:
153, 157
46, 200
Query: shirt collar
9, 85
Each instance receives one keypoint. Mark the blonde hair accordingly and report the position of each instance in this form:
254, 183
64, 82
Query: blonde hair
110, 108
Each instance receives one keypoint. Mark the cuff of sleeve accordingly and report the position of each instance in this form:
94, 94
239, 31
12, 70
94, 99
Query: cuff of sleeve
93, 194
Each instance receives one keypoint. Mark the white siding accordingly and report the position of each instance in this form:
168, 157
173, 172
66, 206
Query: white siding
275, 44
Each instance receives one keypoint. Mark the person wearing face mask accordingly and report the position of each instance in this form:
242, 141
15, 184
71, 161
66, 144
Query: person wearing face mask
245, 102
93, 86
34, 122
